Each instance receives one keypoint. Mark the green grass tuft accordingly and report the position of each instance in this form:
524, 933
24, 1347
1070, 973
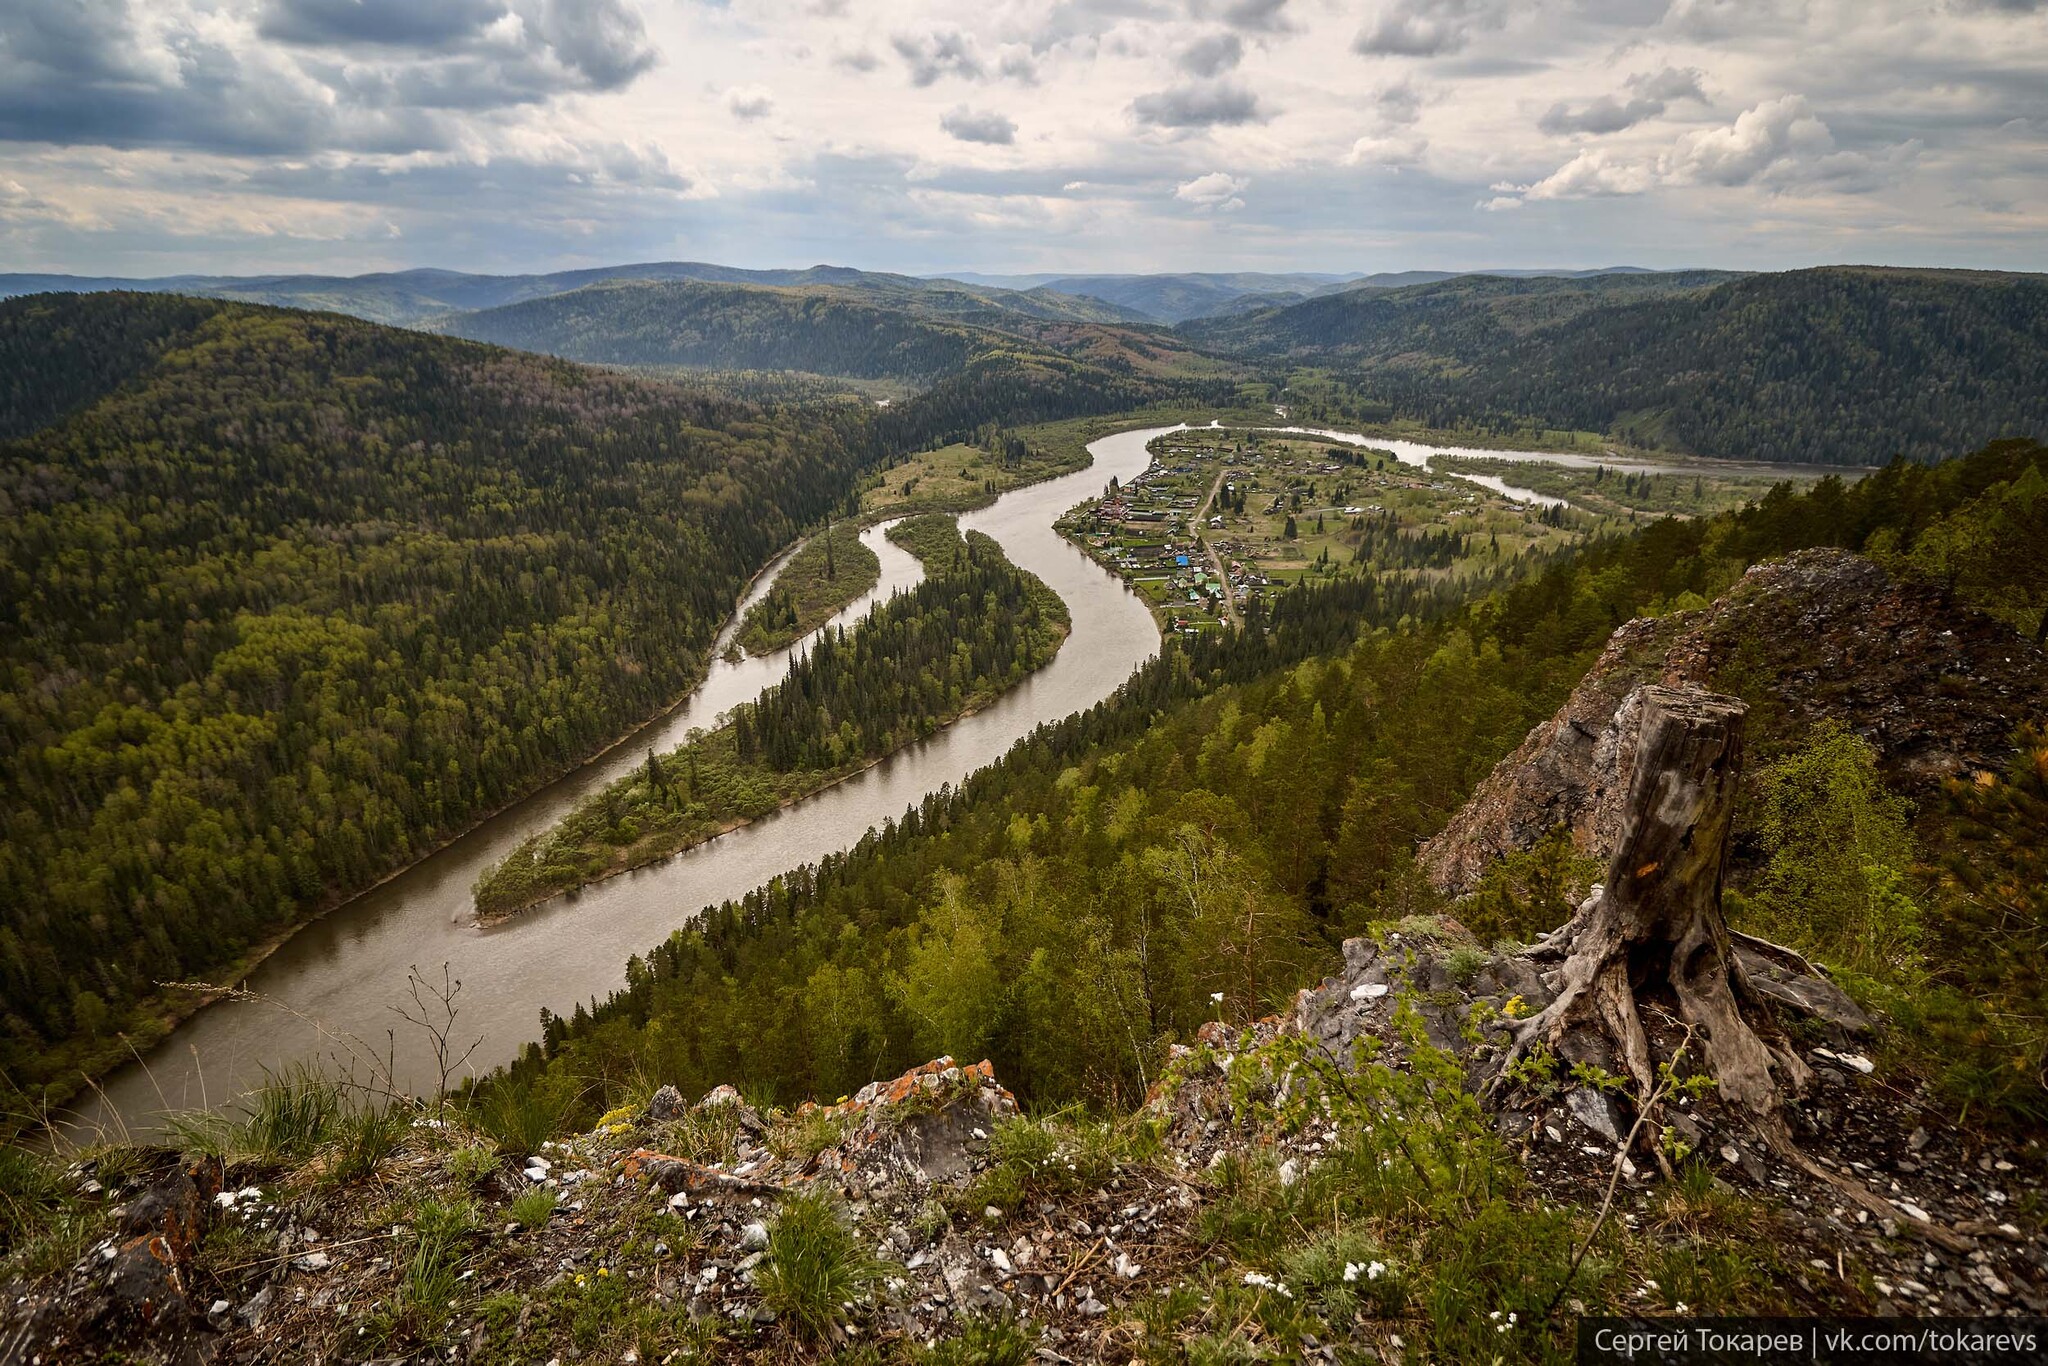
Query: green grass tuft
815, 1267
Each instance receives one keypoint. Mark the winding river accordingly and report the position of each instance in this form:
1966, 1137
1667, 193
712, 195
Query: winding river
347, 971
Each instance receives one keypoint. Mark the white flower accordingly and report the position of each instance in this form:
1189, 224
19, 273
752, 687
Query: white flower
1217, 997
1267, 1283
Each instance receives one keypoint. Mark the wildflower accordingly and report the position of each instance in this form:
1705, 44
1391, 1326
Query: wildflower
1217, 997
1264, 1282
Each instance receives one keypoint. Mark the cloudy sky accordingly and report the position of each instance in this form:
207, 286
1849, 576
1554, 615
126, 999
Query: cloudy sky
238, 136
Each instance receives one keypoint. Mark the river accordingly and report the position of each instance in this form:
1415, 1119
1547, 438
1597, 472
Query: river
344, 975
347, 970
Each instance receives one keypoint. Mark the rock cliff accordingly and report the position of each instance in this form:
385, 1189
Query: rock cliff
1934, 688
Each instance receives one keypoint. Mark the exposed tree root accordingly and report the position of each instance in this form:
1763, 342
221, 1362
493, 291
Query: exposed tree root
1655, 929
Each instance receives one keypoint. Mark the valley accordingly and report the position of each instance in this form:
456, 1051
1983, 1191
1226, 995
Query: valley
1120, 706
1242, 683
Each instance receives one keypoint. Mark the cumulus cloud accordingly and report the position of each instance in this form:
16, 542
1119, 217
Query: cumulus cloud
750, 102
481, 129
592, 44
1218, 191
1212, 56
938, 54
1426, 28
969, 126
1778, 145
1206, 105
310, 76
1253, 16
1650, 94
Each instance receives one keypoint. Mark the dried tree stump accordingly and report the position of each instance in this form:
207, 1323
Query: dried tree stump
1655, 926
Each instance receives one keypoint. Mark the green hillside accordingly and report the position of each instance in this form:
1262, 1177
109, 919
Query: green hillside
289, 598
1842, 365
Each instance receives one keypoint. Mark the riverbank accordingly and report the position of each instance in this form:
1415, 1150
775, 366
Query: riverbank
177, 1003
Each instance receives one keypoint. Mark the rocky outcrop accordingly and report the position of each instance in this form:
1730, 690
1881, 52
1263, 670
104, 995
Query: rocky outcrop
1936, 689
128, 1298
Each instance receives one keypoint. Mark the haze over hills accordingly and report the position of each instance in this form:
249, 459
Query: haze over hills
1179, 296
410, 298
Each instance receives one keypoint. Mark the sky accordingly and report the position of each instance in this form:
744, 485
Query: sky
152, 137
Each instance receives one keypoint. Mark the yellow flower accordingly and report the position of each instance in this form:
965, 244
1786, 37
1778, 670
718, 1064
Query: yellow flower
1515, 1008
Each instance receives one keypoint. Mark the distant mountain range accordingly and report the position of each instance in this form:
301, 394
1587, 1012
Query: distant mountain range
1843, 365
412, 298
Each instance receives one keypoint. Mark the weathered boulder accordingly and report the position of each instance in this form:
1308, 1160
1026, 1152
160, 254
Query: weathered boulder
925, 1126
668, 1104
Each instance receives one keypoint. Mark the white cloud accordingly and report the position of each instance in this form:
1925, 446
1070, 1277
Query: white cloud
151, 136
934, 55
1426, 28
1204, 105
1217, 190
1779, 145
969, 126
1212, 55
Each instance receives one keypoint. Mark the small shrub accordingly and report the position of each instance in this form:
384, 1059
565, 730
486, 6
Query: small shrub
31, 1194
815, 1266
1346, 1273
518, 1118
284, 1120
800, 1140
471, 1163
1465, 962
1525, 893
984, 1340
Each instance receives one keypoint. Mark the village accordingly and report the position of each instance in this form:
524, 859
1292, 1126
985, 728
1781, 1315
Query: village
1224, 519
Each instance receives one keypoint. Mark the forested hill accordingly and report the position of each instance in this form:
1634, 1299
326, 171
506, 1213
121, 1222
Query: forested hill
1841, 365
870, 330
288, 598
735, 327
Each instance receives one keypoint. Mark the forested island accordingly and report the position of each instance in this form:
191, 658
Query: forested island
974, 627
828, 571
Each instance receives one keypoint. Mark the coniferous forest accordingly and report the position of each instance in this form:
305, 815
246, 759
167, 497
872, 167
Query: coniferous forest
292, 598
289, 598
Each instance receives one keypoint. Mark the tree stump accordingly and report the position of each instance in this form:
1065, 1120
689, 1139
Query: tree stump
1654, 930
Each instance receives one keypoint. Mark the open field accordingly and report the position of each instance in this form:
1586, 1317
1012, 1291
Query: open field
1623, 491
